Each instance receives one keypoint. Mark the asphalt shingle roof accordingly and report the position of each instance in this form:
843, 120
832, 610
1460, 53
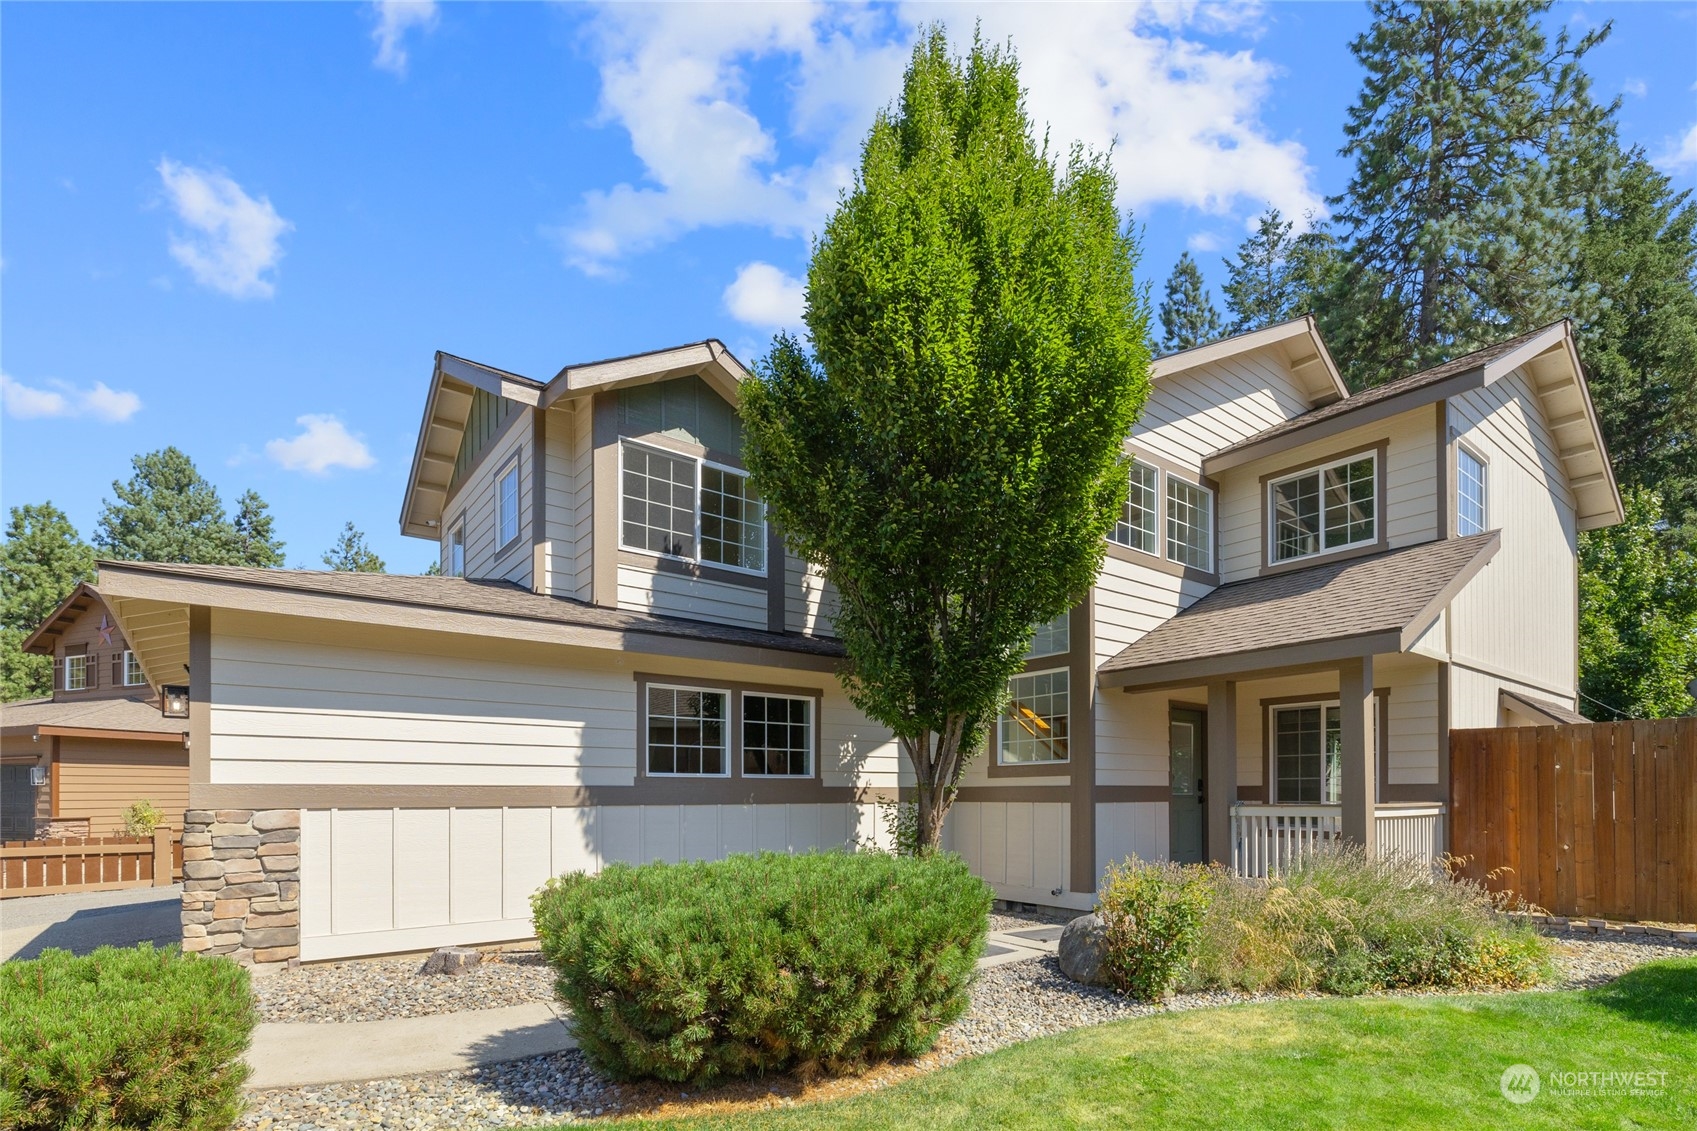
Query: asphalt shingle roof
127, 713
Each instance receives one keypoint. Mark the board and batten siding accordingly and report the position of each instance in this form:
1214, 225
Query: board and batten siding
1194, 413
298, 702
1412, 477
1021, 848
100, 778
474, 500
560, 501
390, 880
651, 590
1519, 617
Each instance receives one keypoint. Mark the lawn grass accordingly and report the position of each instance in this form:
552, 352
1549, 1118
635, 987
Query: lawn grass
1432, 1062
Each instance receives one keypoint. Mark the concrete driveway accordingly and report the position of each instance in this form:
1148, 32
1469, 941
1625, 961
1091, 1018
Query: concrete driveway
81, 921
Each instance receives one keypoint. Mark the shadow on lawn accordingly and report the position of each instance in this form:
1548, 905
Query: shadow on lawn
1662, 993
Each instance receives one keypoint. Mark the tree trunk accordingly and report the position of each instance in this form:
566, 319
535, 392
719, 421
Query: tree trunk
936, 772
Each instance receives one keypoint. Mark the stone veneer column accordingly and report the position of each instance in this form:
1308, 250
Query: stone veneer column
241, 884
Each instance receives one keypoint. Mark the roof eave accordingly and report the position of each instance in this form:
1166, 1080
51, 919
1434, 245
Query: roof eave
1330, 389
35, 642
710, 359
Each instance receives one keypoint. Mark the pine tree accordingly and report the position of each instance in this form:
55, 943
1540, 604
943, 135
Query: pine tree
41, 561
350, 554
1260, 290
1462, 215
255, 542
1188, 316
167, 512
1639, 249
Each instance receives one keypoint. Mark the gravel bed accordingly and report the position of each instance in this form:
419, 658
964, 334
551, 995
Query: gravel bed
378, 989
1010, 1003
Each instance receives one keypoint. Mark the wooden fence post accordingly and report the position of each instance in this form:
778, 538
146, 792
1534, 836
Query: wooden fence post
162, 877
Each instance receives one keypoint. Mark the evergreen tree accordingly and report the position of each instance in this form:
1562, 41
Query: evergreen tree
1260, 291
1639, 249
255, 542
950, 454
1637, 616
350, 554
167, 512
1188, 316
1462, 215
41, 561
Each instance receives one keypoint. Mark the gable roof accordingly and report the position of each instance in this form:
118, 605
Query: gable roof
1298, 341
446, 604
1549, 353
447, 408
81, 599
1361, 607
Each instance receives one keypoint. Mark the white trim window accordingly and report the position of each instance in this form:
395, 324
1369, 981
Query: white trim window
1138, 528
76, 672
1033, 726
133, 675
1308, 754
777, 735
1052, 639
687, 735
1471, 516
456, 549
1330, 507
507, 505
680, 506
1190, 524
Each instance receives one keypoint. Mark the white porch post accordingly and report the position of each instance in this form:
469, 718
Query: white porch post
1355, 714
1220, 780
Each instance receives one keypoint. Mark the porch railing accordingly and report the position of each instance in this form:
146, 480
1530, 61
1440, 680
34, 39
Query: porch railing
1267, 839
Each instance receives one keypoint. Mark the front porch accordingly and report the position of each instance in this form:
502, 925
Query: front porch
1267, 839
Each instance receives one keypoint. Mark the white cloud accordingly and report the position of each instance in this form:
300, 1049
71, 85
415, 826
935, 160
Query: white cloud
761, 295
394, 18
234, 239
1638, 88
324, 443
678, 80
1204, 241
1681, 154
62, 399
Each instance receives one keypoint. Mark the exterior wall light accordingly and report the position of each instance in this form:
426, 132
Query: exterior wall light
174, 701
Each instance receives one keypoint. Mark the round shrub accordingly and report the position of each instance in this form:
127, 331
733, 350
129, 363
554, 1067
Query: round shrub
120, 1039
1153, 915
700, 971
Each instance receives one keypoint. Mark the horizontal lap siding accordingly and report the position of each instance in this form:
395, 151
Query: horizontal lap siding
100, 779
670, 594
386, 880
1131, 736
475, 500
1413, 752
1133, 599
1191, 415
810, 602
1519, 617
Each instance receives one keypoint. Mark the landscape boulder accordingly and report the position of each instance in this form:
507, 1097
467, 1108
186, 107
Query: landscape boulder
452, 960
1083, 949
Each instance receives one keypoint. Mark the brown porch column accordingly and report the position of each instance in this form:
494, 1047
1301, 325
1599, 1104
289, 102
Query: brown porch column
1220, 774
1355, 713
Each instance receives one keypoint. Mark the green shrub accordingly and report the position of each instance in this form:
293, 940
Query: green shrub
122, 1039
1153, 915
1347, 923
696, 972
142, 817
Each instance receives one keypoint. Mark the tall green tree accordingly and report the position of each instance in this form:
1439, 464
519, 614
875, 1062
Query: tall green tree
41, 561
1188, 315
1279, 273
1639, 250
256, 543
167, 512
950, 452
1462, 215
350, 554
1637, 616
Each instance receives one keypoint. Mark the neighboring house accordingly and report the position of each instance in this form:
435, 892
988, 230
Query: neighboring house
72, 763
1308, 590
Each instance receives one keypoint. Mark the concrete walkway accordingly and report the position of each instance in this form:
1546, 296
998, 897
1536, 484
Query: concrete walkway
80, 921
294, 1055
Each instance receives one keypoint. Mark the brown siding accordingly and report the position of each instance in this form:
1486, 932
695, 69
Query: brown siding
105, 682
99, 780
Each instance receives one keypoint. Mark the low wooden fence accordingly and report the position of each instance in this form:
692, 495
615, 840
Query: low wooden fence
1594, 819
53, 866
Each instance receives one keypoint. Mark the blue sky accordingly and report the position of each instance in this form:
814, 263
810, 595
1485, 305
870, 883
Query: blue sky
244, 229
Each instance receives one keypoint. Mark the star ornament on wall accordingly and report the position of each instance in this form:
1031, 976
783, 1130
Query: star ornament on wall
105, 631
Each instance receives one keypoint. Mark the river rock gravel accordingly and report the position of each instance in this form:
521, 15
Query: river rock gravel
379, 989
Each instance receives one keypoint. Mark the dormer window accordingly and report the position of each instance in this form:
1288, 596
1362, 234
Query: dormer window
680, 506
76, 672
1330, 507
133, 675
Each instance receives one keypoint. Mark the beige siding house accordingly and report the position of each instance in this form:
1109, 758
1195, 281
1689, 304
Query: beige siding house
1307, 591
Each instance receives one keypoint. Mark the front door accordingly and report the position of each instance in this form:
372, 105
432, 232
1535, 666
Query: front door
1185, 813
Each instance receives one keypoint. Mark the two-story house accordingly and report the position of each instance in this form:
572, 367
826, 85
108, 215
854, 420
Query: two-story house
71, 763
1307, 590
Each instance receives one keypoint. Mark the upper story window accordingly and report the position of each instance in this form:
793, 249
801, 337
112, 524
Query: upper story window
1051, 639
1137, 529
77, 670
507, 505
456, 549
1330, 507
133, 676
1469, 493
1033, 726
685, 507
686, 731
1190, 524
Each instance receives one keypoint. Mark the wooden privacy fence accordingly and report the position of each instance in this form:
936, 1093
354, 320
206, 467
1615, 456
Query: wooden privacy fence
50, 867
1596, 819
